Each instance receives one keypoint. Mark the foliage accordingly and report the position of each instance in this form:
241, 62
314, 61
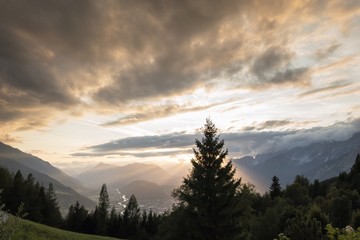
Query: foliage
75, 220
282, 237
303, 227
101, 211
210, 193
27, 199
131, 218
342, 234
275, 188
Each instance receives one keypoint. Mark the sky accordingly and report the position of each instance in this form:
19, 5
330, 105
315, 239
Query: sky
84, 81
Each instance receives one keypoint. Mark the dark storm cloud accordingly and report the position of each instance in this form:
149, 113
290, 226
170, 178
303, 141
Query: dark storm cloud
273, 58
41, 45
37, 39
274, 67
174, 39
54, 52
293, 75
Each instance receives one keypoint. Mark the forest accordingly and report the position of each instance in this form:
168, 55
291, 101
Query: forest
210, 204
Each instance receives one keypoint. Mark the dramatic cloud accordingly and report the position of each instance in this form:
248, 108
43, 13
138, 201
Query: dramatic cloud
239, 143
176, 140
128, 62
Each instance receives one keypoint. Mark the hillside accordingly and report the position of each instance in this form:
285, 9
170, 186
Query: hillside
16, 228
44, 173
321, 160
33, 162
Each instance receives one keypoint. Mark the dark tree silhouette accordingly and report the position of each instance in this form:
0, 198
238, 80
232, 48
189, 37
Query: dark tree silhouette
51, 212
131, 218
275, 187
102, 211
75, 220
210, 192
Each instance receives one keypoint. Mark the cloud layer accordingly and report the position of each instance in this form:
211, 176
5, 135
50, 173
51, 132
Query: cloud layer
66, 57
250, 142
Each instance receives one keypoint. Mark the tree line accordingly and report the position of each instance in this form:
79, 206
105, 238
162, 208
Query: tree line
130, 223
210, 204
26, 198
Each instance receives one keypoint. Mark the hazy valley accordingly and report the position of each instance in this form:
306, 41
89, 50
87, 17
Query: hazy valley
152, 185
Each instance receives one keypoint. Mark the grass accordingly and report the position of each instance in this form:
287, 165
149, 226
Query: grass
20, 229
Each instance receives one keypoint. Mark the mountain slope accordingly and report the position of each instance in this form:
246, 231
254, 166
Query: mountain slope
320, 160
14, 160
39, 165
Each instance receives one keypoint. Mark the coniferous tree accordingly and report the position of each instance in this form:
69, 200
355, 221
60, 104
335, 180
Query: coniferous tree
303, 227
76, 217
102, 211
210, 192
355, 174
16, 193
131, 218
51, 210
113, 223
275, 187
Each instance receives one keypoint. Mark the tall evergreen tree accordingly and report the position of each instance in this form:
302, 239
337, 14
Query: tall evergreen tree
113, 223
131, 218
210, 192
75, 219
275, 187
51, 208
102, 211
16, 194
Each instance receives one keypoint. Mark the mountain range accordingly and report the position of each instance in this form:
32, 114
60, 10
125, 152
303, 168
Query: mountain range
118, 176
320, 160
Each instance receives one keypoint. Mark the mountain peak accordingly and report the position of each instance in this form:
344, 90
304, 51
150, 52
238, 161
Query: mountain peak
101, 164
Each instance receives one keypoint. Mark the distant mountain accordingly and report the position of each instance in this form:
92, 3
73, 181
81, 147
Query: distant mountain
144, 190
118, 176
321, 160
43, 172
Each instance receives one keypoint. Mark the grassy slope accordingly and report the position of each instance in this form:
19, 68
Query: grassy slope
21, 229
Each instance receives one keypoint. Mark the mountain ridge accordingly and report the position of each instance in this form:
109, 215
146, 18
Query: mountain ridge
14, 159
118, 176
39, 165
320, 160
